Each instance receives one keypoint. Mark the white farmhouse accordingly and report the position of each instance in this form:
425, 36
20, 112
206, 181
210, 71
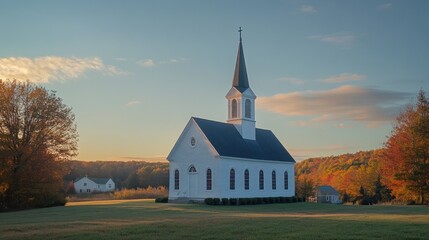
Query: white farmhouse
90, 185
230, 160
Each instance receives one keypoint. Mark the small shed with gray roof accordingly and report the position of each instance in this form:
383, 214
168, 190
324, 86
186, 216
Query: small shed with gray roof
327, 194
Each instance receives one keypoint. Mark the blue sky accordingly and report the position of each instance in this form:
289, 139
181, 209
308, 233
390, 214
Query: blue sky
330, 76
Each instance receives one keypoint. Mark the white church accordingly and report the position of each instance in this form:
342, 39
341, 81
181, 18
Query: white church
230, 160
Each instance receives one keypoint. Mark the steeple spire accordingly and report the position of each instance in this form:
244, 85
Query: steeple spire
241, 99
240, 80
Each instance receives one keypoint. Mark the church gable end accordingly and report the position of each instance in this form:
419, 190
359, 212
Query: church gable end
192, 145
193, 165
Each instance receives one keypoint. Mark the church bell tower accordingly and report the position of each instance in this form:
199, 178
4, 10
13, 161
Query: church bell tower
241, 99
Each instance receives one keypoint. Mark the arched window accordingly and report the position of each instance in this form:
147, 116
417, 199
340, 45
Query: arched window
176, 179
247, 108
232, 179
273, 180
234, 109
261, 179
209, 179
286, 180
192, 169
246, 179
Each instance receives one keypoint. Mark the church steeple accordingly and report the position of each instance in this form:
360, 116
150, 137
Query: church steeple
240, 80
241, 99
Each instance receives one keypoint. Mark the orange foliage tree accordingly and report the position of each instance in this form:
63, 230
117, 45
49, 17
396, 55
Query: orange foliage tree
405, 165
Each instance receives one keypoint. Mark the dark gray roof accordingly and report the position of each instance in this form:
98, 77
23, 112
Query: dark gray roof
327, 190
99, 180
228, 142
240, 80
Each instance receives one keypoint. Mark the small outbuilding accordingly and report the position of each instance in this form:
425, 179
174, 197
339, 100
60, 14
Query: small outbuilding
90, 185
326, 194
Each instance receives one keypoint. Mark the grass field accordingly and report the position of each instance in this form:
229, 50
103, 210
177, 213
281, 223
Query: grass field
144, 219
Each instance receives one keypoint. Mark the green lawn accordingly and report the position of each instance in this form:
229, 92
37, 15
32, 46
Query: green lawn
144, 219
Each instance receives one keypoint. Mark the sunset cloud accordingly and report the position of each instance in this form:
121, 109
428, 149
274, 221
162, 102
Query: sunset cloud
339, 38
344, 77
152, 63
112, 70
345, 103
51, 68
135, 102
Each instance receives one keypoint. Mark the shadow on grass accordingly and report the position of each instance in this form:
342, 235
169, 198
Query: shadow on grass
250, 228
148, 220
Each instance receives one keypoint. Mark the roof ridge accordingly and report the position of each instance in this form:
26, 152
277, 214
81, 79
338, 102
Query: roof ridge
99, 180
227, 142
204, 119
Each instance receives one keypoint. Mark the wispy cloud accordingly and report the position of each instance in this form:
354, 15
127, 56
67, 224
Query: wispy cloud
344, 77
51, 68
134, 102
147, 63
112, 70
345, 103
153, 63
120, 59
308, 9
385, 6
292, 80
338, 38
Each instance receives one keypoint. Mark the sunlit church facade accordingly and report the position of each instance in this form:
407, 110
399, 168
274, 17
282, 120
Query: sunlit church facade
230, 160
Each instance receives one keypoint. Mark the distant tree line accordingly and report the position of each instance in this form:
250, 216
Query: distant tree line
356, 176
126, 175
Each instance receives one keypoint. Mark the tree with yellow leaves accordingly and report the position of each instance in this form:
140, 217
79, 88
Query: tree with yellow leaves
37, 134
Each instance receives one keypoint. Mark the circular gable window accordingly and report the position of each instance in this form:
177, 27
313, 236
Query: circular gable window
193, 141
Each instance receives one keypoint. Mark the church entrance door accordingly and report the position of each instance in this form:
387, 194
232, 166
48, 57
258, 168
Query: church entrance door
193, 182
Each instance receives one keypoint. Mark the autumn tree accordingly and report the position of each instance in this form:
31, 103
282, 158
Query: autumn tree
382, 192
304, 186
406, 160
37, 134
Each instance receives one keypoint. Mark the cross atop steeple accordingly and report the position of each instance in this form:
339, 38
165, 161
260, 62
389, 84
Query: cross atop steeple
240, 30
